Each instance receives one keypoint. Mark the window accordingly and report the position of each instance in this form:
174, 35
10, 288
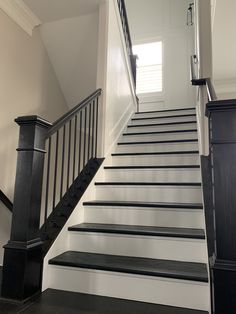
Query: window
149, 67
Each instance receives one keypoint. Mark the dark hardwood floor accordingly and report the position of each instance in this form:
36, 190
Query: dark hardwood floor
62, 302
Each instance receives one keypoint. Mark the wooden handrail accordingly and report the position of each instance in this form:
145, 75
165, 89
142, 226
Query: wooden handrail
202, 81
70, 114
5, 200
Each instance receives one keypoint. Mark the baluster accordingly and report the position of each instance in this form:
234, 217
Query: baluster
68, 161
48, 178
93, 128
80, 140
63, 161
96, 134
75, 142
85, 125
89, 140
55, 173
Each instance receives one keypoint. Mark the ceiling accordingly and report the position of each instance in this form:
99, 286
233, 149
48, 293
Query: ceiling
53, 10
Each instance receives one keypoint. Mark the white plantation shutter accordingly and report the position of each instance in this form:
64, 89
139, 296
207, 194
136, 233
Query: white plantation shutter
149, 67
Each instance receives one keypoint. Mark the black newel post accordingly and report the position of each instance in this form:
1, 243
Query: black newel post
22, 265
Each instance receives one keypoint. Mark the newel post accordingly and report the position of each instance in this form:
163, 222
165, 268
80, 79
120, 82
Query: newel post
22, 265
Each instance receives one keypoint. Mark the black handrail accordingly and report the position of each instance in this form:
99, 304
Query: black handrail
70, 114
128, 41
5, 200
202, 81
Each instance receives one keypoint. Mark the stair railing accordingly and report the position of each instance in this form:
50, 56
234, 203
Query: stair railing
67, 146
127, 36
202, 81
5, 200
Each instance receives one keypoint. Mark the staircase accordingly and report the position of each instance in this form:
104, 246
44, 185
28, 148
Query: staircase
143, 236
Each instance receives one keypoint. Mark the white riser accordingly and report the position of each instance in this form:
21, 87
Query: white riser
159, 137
189, 250
179, 218
149, 193
162, 120
163, 114
153, 175
165, 147
155, 160
180, 293
160, 128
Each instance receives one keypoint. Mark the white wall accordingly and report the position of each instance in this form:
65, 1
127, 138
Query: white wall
166, 20
28, 85
114, 76
72, 46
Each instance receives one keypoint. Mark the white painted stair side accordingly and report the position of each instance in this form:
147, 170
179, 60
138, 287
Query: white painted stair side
161, 120
159, 137
158, 127
179, 249
154, 147
153, 175
159, 217
180, 293
143, 193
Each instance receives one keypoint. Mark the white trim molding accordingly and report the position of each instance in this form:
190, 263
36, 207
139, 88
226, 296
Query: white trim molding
19, 12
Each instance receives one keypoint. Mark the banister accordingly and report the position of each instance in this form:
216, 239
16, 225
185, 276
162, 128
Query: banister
67, 116
202, 81
5, 200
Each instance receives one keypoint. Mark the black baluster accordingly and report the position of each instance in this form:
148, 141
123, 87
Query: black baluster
63, 161
55, 172
96, 136
48, 178
85, 125
80, 140
93, 128
75, 142
89, 128
68, 162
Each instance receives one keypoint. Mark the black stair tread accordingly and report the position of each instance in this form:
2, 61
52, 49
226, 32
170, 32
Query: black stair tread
165, 117
183, 152
153, 167
133, 265
143, 204
168, 110
105, 183
160, 124
159, 142
140, 230
160, 132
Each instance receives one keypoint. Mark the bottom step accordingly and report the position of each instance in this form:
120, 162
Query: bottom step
172, 283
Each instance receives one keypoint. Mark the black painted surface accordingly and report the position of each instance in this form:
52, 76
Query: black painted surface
6, 200
143, 204
63, 302
185, 152
133, 265
159, 124
140, 230
159, 142
182, 109
153, 167
196, 184
160, 132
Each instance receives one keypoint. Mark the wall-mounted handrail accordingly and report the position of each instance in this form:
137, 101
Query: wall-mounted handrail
128, 41
5, 200
202, 81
